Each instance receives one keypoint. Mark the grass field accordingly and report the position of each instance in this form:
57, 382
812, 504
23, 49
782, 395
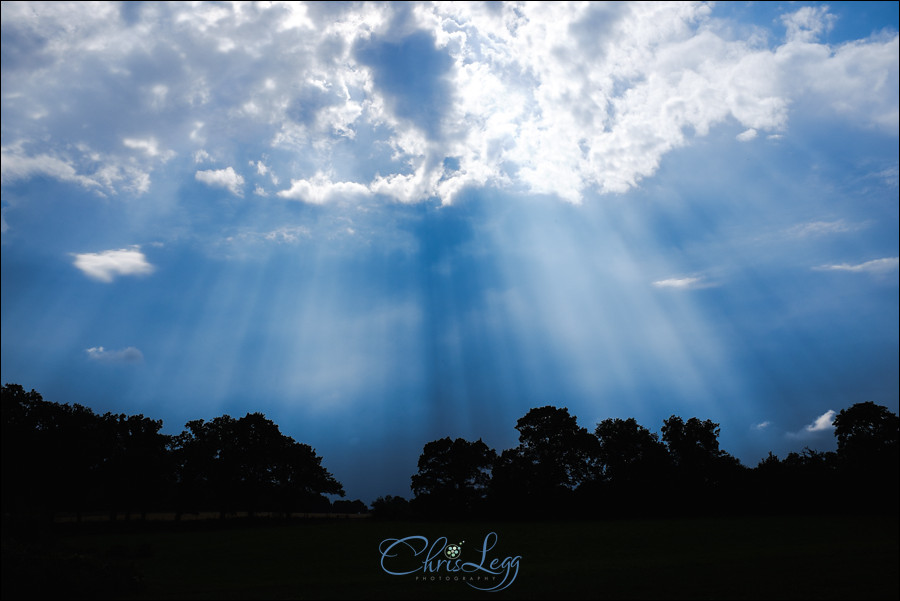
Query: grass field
728, 558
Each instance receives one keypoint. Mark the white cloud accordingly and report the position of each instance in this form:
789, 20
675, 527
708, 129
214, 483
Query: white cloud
549, 98
15, 165
820, 228
149, 146
762, 425
107, 265
261, 167
320, 189
807, 23
823, 422
110, 176
688, 283
876, 266
747, 135
222, 178
890, 176
126, 355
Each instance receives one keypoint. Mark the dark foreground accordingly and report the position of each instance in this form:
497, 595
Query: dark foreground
817, 557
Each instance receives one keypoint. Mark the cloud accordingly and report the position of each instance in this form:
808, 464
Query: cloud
876, 266
747, 135
111, 176
890, 176
807, 23
819, 228
126, 355
105, 266
689, 283
320, 190
823, 423
15, 166
762, 425
222, 178
149, 146
546, 98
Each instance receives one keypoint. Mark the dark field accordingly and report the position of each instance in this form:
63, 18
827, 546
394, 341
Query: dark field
733, 558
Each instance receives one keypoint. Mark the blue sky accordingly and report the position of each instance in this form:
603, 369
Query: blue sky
383, 224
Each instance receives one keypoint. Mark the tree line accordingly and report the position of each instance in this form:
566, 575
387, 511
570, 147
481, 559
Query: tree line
560, 469
66, 458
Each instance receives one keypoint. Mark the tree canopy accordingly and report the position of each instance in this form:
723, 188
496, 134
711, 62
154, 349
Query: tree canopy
67, 458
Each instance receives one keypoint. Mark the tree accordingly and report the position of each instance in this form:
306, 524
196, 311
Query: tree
562, 454
693, 445
453, 476
135, 469
706, 479
866, 433
630, 456
353, 507
555, 456
52, 454
248, 463
867, 437
390, 508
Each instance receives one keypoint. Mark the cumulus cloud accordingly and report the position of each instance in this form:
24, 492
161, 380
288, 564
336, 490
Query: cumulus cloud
15, 165
823, 423
150, 146
876, 266
222, 178
548, 98
747, 135
808, 23
125, 355
320, 189
107, 265
103, 174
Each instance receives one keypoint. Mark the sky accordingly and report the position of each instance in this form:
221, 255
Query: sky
383, 224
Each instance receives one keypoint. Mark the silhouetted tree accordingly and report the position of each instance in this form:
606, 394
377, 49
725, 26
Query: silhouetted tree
866, 433
629, 453
355, 506
248, 463
867, 438
693, 445
391, 508
554, 457
52, 454
453, 476
135, 471
705, 477
633, 465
